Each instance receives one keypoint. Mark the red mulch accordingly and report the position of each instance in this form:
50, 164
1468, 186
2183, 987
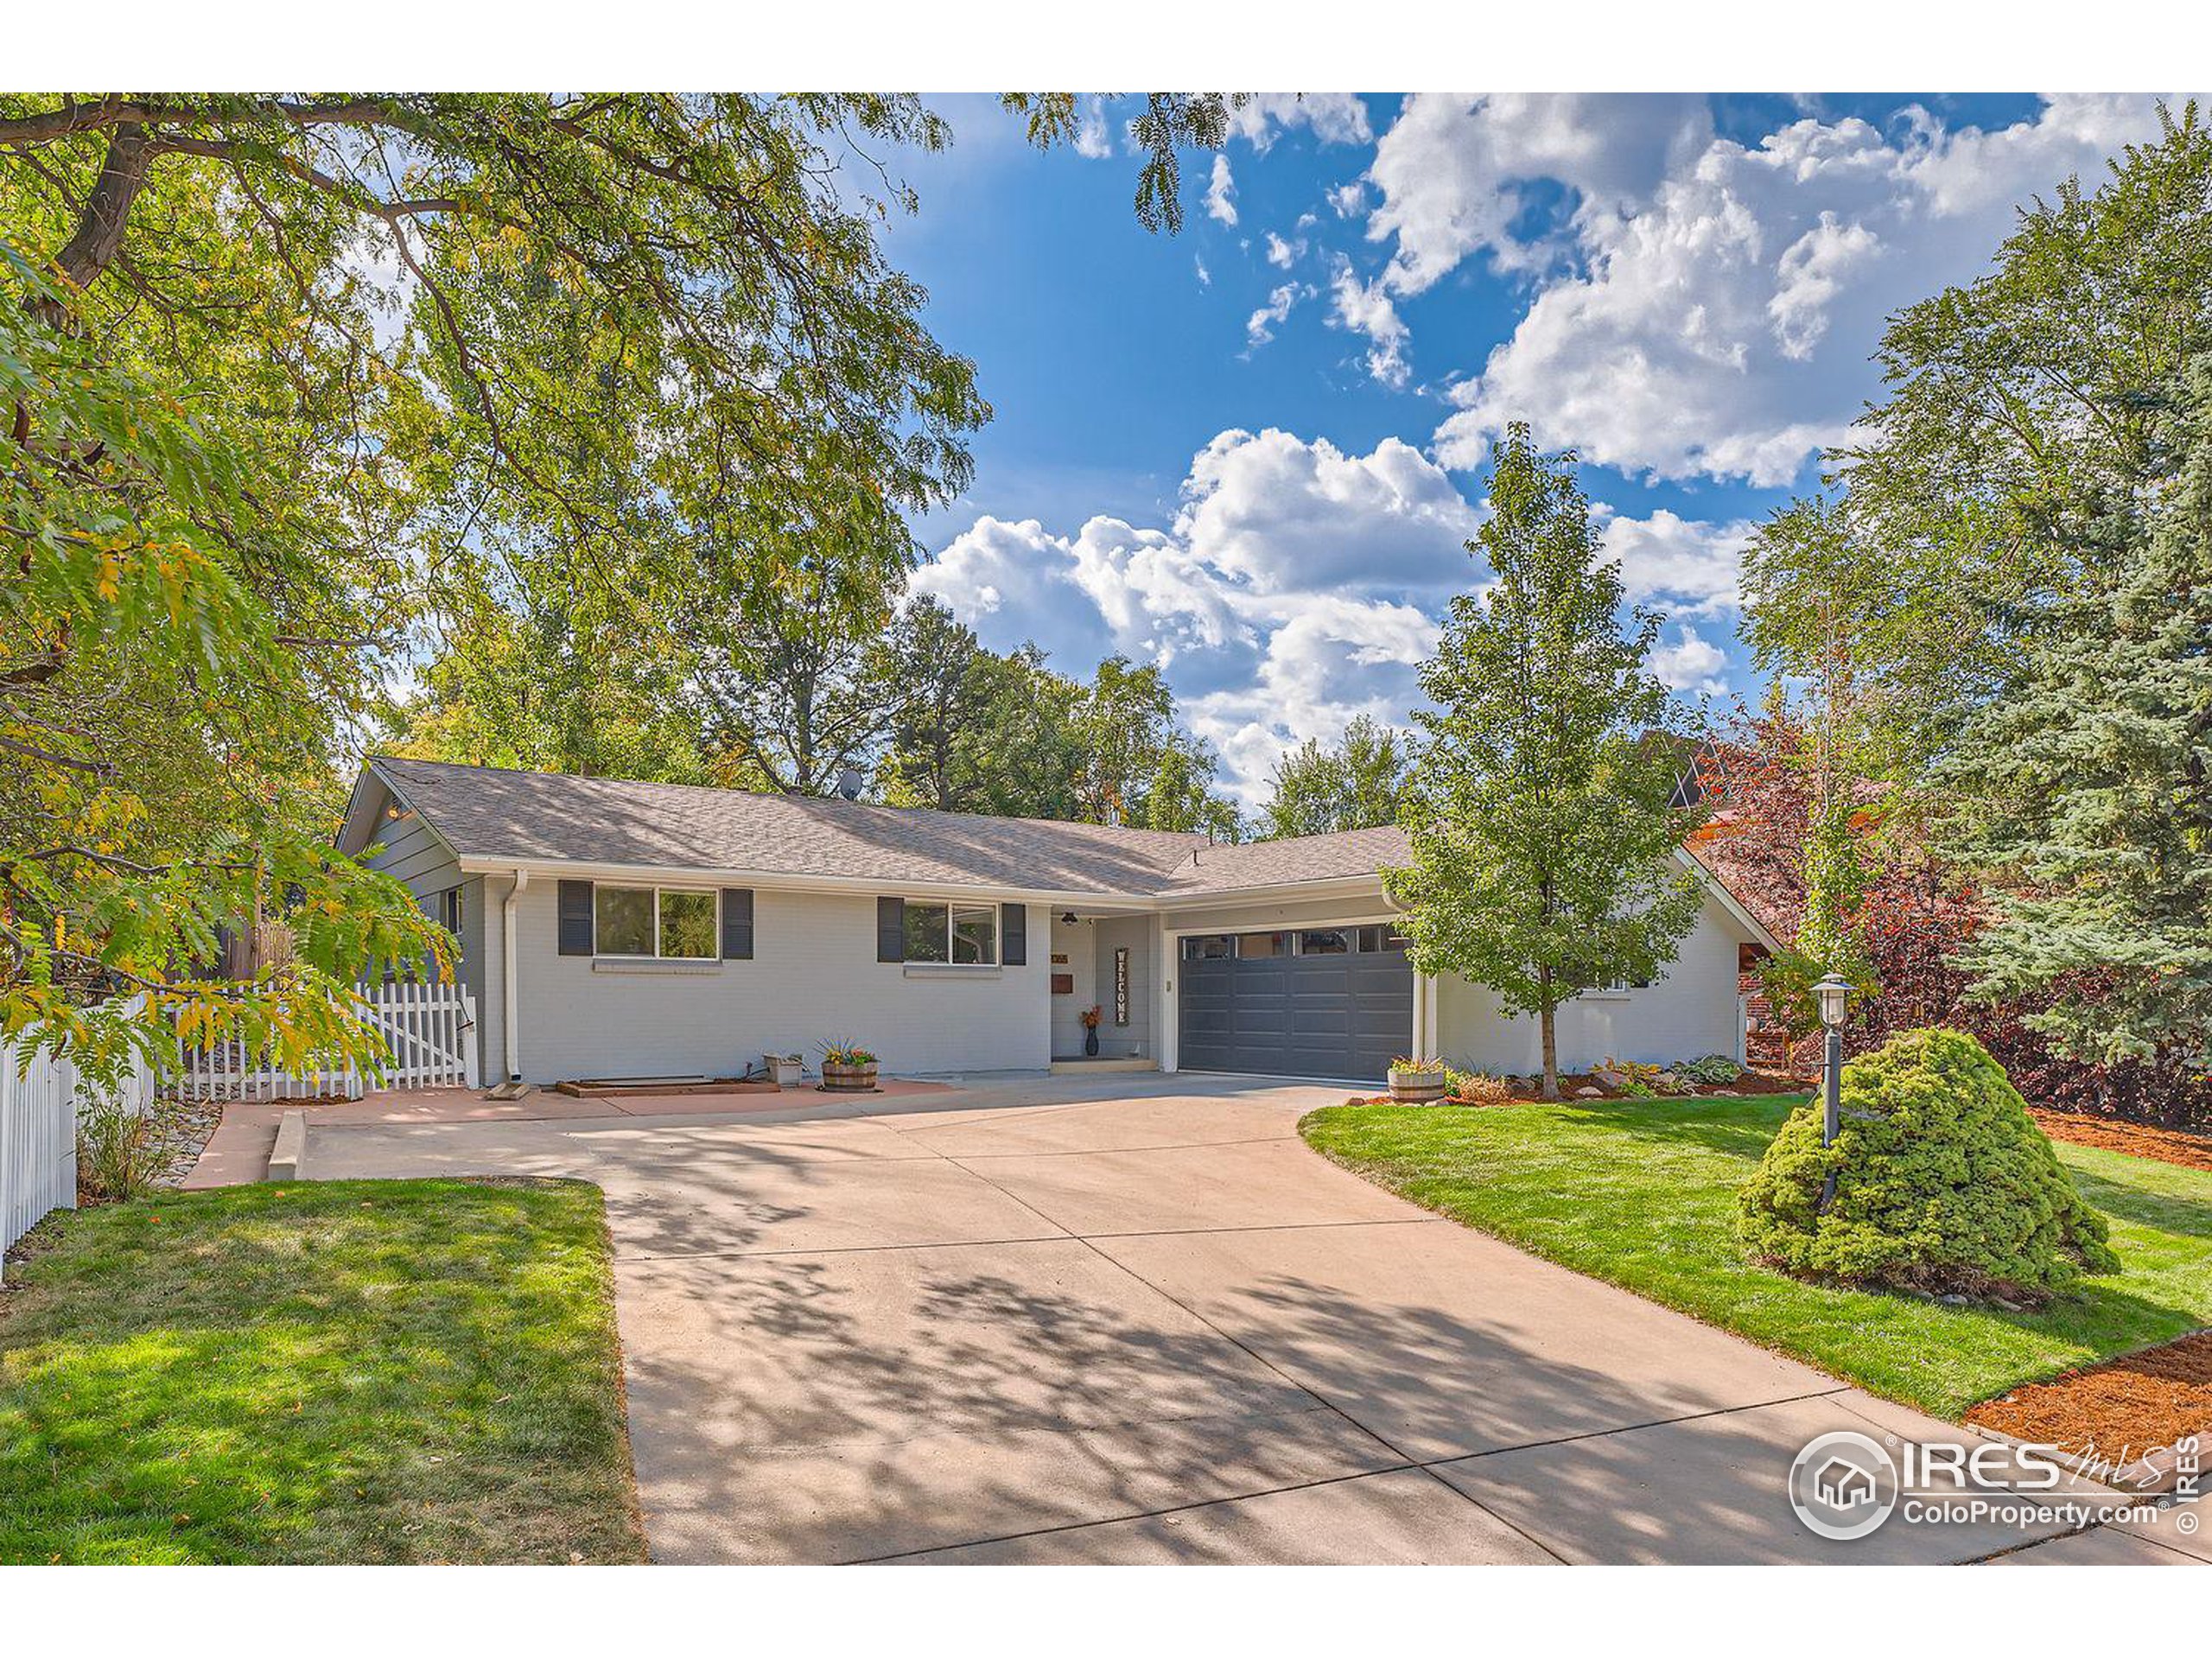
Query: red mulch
2121, 1409
2138, 1139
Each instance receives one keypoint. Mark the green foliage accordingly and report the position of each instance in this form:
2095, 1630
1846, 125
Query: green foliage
1714, 1070
1943, 1183
2020, 446
1540, 814
1167, 122
1354, 784
2088, 792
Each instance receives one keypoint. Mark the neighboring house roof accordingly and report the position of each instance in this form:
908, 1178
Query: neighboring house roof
488, 815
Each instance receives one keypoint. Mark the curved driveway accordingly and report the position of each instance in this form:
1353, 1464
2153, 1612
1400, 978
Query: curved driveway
1134, 1319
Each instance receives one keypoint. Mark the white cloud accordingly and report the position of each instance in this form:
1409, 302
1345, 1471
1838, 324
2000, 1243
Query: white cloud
1365, 309
1220, 192
1453, 171
1684, 567
1094, 139
1691, 664
1332, 117
1279, 514
1289, 594
1283, 254
1704, 307
1260, 327
1349, 200
1205, 276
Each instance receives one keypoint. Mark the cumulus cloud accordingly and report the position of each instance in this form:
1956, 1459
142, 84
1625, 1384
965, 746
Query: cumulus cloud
1291, 591
1684, 567
1332, 117
1454, 172
1691, 664
1702, 307
1350, 201
1221, 192
1283, 252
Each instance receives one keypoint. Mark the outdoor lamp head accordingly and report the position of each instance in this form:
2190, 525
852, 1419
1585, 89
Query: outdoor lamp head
1832, 991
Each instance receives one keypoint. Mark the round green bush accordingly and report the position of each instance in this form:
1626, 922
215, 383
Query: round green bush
1944, 1185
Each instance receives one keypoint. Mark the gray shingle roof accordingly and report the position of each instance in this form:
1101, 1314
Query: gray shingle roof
1305, 858
487, 812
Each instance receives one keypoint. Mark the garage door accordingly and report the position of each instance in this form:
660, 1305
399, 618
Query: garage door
1319, 1002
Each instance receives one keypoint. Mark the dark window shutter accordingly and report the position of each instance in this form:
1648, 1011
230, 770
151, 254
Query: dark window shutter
737, 924
891, 929
1014, 935
576, 919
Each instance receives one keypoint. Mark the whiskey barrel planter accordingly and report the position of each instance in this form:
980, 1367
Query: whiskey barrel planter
858, 1078
1410, 1085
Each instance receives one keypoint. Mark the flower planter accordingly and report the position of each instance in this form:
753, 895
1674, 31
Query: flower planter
858, 1078
1090, 1042
1416, 1085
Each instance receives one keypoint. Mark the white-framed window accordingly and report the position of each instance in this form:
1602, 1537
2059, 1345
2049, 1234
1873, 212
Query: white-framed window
964, 934
674, 924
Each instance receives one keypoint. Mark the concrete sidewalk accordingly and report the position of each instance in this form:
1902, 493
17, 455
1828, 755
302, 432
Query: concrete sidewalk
1125, 1320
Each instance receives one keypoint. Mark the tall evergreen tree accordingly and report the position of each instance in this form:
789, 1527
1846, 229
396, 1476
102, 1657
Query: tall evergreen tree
2088, 793
1540, 814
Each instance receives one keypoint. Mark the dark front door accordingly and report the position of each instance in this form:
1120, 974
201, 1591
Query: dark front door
1336, 1013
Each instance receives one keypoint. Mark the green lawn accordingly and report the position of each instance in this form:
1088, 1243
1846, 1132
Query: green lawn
1642, 1193
318, 1371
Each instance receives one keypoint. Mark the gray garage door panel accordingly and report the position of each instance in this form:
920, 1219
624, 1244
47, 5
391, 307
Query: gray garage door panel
1342, 1016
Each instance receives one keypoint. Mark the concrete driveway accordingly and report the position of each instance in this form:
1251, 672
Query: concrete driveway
1136, 1320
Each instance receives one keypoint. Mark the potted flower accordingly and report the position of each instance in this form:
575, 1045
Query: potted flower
847, 1067
1416, 1079
1090, 1017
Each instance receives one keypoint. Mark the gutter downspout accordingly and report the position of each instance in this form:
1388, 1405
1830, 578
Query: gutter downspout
509, 999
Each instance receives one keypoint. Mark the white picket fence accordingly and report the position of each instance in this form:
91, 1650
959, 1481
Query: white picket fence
430, 1029
40, 1098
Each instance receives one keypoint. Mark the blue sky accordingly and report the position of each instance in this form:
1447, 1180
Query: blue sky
1251, 452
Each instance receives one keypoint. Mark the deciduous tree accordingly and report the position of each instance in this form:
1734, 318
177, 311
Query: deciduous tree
1540, 817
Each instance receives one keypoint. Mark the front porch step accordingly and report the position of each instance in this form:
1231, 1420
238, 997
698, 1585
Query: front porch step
1068, 1068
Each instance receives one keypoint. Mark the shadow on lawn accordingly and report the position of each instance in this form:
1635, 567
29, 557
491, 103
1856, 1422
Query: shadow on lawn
1737, 1128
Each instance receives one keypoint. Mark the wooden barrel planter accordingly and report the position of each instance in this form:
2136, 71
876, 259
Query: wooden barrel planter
858, 1078
1411, 1085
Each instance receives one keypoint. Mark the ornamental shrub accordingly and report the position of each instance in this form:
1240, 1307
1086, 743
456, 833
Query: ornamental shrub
1943, 1183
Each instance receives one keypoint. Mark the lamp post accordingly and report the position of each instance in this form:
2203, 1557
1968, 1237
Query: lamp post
1832, 993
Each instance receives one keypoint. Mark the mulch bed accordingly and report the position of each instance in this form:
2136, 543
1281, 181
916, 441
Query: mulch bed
2121, 1409
1571, 1083
2138, 1139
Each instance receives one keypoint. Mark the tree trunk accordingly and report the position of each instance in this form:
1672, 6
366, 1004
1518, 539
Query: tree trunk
1548, 1022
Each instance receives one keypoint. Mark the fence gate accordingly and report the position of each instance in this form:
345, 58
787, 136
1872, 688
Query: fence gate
431, 1030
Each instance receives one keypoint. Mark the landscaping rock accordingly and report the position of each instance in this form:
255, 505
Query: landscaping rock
1610, 1079
1587, 1093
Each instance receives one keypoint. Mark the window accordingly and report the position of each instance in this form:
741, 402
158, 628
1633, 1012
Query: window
449, 910
1381, 935
1621, 987
967, 935
928, 932
1250, 946
1208, 947
975, 934
667, 922
687, 925
1324, 941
